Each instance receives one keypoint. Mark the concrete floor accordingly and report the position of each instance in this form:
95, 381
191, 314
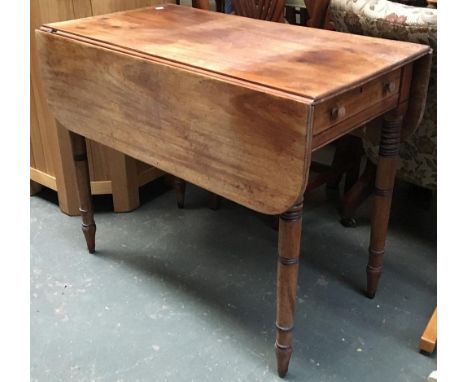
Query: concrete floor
189, 295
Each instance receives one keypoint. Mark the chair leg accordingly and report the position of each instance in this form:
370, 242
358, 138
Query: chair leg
354, 167
338, 164
179, 185
357, 194
80, 159
384, 181
324, 173
289, 238
346, 160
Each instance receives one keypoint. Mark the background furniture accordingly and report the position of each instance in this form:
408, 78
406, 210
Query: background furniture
110, 171
418, 152
178, 183
268, 10
429, 337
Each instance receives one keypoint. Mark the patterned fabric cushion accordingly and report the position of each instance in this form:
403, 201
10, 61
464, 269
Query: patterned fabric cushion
386, 19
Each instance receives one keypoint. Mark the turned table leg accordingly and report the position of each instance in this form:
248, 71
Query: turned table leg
289, 242
384, 181
80, 160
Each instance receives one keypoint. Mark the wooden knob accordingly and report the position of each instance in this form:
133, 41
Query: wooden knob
337, 112
390, 86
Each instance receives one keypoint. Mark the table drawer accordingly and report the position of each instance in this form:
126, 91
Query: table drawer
338, 109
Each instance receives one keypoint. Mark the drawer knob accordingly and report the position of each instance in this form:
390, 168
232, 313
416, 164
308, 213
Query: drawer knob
390, 86
337, 112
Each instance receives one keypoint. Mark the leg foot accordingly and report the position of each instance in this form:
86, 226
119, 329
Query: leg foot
89, 232
88, 226
370, 294
283, 355
289, 238
348, 222
373, 273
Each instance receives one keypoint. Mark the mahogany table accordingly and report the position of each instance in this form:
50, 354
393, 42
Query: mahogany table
234, 105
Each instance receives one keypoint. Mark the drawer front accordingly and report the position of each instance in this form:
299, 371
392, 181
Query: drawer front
347, 105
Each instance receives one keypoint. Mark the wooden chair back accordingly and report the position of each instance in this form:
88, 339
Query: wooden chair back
317, 10
269, 10
201, 4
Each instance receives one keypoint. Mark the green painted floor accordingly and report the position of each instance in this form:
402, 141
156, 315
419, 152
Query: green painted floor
189, 295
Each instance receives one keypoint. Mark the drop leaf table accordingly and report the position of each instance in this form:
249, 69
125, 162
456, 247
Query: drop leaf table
234, 105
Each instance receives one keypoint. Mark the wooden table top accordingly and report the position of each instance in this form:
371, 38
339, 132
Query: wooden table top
233, 105
297, 61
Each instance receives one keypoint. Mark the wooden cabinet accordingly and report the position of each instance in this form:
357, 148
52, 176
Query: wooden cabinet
110, 171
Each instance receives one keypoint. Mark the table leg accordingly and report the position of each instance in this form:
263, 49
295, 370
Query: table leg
289, 242
384, 181
80, 159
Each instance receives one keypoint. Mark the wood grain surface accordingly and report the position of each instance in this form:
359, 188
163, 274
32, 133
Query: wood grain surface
244, 144
224, 102
309, 62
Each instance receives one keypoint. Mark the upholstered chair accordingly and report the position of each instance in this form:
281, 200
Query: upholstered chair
418, 152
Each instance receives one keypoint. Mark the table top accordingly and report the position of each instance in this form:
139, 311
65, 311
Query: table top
233, 105
299, 61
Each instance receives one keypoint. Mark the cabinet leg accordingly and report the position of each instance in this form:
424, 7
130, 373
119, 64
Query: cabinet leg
179, 185
289, 239
384, 181
80, 159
